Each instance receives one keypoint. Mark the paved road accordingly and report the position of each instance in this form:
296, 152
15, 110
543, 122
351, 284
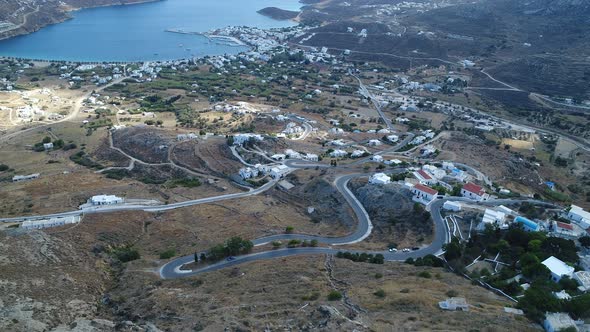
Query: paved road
172, 269
366, 93
147, 208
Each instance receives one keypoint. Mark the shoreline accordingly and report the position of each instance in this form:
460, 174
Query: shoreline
67, 11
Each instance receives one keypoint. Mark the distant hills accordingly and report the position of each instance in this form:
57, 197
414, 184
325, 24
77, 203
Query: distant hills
278, 14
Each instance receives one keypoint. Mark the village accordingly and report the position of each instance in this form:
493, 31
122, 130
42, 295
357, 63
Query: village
280, 110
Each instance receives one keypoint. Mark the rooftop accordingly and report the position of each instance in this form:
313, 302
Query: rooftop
557, 266
559, 320
473, 188
579, 211
563, 225
424, 174
425, 189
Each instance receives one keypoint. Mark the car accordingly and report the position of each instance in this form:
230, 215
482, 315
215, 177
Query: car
406, 250
416, 248
231, 258
392, 250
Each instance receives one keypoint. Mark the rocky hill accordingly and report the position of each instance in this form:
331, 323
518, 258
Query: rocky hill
278, 14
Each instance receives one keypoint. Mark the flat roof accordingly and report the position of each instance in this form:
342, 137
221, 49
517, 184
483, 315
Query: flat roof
558, 267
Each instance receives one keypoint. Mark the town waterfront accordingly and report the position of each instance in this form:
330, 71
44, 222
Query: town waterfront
137, 32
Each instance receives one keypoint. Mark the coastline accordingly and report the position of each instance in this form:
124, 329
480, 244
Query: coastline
22, 31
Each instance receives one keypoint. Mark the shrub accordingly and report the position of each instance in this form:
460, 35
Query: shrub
126, 254
334, 296
425, 274
167, 254
452, 293
378, 275
289, 229
380, 293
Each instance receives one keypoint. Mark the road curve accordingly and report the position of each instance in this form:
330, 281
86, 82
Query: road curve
172, 269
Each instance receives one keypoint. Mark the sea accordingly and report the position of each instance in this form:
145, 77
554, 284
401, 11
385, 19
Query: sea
138, 32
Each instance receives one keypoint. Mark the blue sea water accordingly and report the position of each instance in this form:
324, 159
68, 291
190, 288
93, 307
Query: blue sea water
137, 32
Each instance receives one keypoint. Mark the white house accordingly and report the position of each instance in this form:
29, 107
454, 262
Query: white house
374, 142
579, 215
51, 222
19, 178
48, 146
379, 178
240, 139
454, 303
279, 171
558, 321
493, 217
474, 192
278, 157
105, 200
377, 158
583, 278
311, 157
424, 177
558, 268
423, 194
393, 138
338, 153
248, 172
452, 206
357, 153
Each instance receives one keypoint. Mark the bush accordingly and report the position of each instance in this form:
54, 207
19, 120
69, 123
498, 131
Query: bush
452, 293
4, 167
126, 254
378, 275
289, 229
425, 274
334, 296
167, 254
380, 293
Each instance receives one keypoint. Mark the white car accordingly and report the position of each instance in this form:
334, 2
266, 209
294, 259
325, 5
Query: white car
392, 250
406, 250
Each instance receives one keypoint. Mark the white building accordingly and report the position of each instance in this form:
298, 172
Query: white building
379, 178
311, 157
493, 217
454, 303
393, 138
48, 146
374, 142
423, 194
19, 178
279, 171
278, 157
583, 278
424, 177
579, 215
558, 321
452, 206
240, 139
357, 153
338, 153
51, 222
292, 154
474, 192
248, 172
558, 268
105, 200
377, 158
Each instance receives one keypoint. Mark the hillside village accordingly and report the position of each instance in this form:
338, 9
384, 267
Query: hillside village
172, 177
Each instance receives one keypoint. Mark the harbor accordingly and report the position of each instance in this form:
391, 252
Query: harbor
212, 37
